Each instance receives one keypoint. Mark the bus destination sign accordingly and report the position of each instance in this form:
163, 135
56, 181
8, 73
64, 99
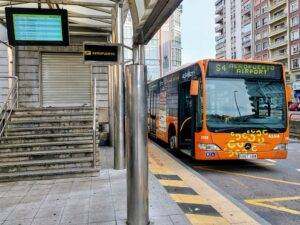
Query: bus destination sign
104, 53
245, 70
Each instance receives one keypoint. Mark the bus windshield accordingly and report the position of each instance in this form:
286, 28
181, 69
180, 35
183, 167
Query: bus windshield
242, 104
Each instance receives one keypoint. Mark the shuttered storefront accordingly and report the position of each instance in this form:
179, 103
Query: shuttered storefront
66, 81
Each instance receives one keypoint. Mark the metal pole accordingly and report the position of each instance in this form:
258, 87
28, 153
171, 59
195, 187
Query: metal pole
136, 145
111, 105
119, 141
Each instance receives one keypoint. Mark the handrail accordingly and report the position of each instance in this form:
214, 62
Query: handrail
11, 101
94, 121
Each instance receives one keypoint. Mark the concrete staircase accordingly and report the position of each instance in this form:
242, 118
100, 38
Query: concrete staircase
43, 142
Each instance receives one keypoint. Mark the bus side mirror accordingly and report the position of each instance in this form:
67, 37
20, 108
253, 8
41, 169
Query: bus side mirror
289, 93
194, 89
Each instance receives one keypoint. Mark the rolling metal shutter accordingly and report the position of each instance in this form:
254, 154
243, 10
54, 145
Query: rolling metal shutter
66, 81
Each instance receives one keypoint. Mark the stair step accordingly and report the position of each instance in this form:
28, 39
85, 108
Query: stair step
48, 130
38, 136
62, 143
47, 173
48, 142
46, 162
51, 114
51, 152
10, 130
83, 119
54, 109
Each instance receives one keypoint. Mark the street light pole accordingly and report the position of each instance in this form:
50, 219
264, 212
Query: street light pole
136, 137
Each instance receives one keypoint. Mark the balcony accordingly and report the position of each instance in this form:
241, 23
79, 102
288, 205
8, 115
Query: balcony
277, 5
279, 57
277, 31
220, 46
246, 21
219, 9
246, 10
219, 29
221, 55
219, 19
278, 44
246, 43
277, 18
247, 55
219, 37
217, 2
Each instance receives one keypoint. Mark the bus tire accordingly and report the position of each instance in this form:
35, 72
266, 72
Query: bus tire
172, 138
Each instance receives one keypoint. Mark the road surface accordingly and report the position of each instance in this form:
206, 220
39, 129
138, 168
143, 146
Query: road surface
270, 188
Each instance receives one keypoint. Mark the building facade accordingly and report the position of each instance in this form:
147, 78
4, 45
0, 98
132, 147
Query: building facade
260, 30
164, 52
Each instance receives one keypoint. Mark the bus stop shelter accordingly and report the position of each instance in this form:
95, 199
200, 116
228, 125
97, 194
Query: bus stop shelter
104, 19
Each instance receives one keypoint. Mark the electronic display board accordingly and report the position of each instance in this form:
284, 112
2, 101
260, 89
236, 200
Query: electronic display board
101, 52
26, 26
244, 70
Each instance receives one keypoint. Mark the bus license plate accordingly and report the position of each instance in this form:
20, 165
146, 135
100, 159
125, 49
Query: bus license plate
247, 156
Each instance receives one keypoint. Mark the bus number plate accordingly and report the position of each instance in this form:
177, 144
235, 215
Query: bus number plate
247, 156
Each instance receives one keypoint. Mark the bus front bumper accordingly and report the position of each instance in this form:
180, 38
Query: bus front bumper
224, 155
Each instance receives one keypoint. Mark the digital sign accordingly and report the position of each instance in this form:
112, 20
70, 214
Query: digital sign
102, 52
245, 70
37, 26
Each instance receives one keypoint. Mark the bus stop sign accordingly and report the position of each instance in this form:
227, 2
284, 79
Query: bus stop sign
102, 53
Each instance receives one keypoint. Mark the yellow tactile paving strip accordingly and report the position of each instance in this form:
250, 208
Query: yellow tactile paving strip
201, 203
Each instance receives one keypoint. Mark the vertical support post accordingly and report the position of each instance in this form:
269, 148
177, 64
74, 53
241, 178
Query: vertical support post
94, 121
136, 142
119, 131
111, 105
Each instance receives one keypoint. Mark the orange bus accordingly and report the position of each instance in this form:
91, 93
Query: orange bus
222, 110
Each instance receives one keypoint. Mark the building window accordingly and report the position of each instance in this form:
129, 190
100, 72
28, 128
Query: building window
258, 47
295, 35
295, 49
294, 21
257, 13
264, 8
265, 45
247, 28
264, 21
295, 63
297, 77
257, 24
294, 6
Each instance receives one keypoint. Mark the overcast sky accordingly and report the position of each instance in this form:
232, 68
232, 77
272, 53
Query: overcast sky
198, 25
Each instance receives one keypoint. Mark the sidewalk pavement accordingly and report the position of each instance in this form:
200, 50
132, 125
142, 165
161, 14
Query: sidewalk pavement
82, 201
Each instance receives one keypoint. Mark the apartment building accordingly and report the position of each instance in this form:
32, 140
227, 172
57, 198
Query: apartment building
269, 30
228, 29
294, 43
164, 51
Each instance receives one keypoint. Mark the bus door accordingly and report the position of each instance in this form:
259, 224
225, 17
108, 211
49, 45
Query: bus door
186, 109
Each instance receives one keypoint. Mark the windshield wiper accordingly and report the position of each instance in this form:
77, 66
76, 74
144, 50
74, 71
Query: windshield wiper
242, 128
227, 129
267, 127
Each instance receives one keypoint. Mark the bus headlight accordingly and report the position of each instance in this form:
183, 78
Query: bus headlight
209, 147
281, 147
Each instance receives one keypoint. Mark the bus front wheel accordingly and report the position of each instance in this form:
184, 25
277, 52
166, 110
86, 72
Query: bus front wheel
172, 142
